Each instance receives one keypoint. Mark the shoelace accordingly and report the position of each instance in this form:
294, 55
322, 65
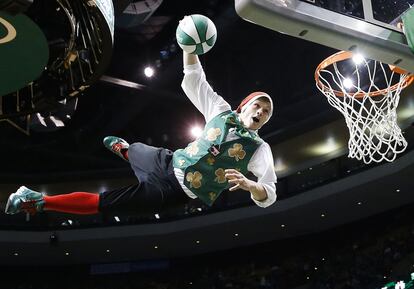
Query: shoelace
117, 147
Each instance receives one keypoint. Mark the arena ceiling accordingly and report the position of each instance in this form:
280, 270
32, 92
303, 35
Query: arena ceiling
245, 58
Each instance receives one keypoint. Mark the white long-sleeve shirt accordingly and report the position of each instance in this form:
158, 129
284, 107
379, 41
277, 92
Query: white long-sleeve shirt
210, 104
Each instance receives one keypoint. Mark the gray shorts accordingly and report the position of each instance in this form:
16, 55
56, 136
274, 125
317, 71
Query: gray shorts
157, 186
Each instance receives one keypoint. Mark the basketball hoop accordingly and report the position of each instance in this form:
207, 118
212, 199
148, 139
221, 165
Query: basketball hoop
367, 93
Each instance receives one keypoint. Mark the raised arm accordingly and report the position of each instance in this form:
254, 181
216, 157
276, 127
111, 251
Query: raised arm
199, 91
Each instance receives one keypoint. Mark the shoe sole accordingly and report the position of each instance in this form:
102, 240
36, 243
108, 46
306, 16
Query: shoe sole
11, 197
8, 204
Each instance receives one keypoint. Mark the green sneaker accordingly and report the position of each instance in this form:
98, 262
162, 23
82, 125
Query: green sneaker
116, 145
25, 200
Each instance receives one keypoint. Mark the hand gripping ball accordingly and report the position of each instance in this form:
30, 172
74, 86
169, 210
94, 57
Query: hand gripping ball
196, 34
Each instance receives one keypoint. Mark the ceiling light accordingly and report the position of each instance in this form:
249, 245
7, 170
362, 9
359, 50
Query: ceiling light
283, 225
382, 128
157, 216
16, 254
107, 250
56, 122
358, 58
323, 215
359, 203
198, 242
149, 71
348, 83
196, 131
280, 165
397, 190
155, 247
236, 235
67, 253
406, 111
328, 146
117, 219
40, 119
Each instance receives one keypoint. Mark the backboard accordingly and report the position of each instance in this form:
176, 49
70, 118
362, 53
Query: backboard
368, 27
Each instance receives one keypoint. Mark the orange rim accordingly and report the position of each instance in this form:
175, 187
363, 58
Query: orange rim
343, 55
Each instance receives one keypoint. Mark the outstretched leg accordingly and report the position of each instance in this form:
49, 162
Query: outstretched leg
30, 201
139, 198
157, 188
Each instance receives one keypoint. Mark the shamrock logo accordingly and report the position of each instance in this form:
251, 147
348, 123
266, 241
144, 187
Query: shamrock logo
210, 160
212, 196
229, 119
213, 134
192, 149
237, 152
220, 178
194, 179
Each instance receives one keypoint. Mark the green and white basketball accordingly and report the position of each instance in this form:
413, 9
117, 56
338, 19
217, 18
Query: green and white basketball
196, 34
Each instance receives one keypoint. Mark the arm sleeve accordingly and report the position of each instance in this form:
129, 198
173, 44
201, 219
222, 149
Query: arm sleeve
262, 166
200, 93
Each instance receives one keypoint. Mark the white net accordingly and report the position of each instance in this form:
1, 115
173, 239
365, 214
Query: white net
367, 93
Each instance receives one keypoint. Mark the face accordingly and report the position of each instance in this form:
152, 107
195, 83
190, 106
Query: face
256, 114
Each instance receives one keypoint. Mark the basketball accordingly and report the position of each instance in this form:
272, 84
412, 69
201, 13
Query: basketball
196, 34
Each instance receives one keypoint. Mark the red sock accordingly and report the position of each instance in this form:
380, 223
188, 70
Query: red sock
80, 203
